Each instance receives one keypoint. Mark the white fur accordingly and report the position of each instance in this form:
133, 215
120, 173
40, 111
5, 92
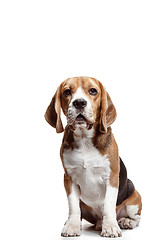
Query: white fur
110, 226
71, 228
73, 112
79, 94
128, 223
110, 202
72, 225
88, 169
73, 199
132, 211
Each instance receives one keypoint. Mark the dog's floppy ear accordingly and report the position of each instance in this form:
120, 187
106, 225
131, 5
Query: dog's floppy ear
53, 112
108, 111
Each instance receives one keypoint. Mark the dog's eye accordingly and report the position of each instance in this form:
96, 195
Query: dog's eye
67, 92
93, 91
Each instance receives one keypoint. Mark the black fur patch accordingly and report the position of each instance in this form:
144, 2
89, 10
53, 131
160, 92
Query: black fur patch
126, 186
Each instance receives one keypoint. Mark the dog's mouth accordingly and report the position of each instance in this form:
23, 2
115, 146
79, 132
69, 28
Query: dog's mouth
80, 118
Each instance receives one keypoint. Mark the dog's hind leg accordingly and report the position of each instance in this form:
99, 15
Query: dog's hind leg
86, 213
129, 211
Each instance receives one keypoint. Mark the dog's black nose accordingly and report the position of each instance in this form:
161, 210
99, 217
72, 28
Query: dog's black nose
79, 103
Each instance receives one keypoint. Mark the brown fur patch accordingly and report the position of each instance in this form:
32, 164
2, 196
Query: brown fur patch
67, 143
67, 183
70, 83
106, 145
53, 112
68, 139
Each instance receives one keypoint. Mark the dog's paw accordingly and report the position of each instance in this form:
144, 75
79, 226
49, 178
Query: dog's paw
110, 229
71, 229
127, 223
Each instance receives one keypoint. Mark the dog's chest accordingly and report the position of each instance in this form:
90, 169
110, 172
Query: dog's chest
88, 169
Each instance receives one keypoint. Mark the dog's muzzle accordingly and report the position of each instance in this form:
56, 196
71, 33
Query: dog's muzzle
80, 113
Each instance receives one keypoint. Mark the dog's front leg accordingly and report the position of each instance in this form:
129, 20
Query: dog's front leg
110, 226
72, 225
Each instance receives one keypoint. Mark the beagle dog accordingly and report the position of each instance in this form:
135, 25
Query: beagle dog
95, 178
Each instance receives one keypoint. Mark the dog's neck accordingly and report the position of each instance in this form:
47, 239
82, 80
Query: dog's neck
83, 132
75, 138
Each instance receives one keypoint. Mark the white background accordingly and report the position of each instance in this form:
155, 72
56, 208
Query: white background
41, 44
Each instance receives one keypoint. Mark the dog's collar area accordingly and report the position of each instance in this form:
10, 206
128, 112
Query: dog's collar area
73, 128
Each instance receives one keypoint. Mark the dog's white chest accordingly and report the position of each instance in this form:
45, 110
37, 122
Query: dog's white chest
88, 169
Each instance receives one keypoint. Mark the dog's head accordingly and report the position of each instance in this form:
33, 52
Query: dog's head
84, 101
